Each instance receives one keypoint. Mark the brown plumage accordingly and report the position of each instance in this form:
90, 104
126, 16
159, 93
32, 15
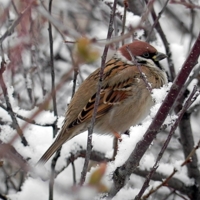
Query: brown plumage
125, 98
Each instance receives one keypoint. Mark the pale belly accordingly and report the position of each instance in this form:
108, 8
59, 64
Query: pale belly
119, 120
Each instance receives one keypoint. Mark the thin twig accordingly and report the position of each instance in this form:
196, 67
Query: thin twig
76, 72
3, 197
73, 172
188, 159
166, 45
140, 8
124, 19
16, 22
184, 88
186, 4
9, 106
194, 94
57, 24
134, 60
156, 20
81, 153
42, 106
159, 186
97, 99
174, 183
55, 128
31, 121
121, 173
188, 142
15, 8
166, 181
9, 178
8, 152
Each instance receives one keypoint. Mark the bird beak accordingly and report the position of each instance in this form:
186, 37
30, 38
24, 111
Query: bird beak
159, 56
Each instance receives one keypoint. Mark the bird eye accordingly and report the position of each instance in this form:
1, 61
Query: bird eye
146, 55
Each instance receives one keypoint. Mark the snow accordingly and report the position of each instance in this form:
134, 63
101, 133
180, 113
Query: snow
41, 137
178, 58
126, 194
4, 3
35, 189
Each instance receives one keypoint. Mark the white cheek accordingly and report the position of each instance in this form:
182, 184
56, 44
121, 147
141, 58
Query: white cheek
118, 55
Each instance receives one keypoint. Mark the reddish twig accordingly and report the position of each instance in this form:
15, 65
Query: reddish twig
187, 104
121, 173
173, 183
159, 186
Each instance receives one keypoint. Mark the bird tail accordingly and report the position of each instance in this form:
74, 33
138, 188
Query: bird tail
59, 141
50, 151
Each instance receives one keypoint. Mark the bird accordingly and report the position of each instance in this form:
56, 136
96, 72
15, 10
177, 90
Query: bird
125, 96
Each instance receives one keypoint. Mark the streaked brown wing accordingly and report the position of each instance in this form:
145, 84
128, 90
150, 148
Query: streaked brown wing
109, 97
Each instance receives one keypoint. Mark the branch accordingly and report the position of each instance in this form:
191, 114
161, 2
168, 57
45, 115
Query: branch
97, 99
55, 128
123, 172
188, 143
166, 45
9, 152
138, 8
30, 121
95, 156
186, 4
124, 19
16, 22
165, 182
189, 101
156, 21
42, 106
9, 106
184, 88
174, 183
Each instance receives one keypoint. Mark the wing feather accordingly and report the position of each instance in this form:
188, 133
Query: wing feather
109, 96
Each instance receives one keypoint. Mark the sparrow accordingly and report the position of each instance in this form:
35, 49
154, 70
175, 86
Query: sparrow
125, 96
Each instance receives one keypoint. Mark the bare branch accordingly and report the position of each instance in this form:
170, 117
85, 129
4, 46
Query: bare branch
156, 21
55, 128
165, 182
131, 164
95, 156
189, 101
16, 22
138, 8
166, 45
97, 99
9, 106
173, 183
28, 120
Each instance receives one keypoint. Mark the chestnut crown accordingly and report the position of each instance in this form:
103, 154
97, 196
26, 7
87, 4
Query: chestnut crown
141, 49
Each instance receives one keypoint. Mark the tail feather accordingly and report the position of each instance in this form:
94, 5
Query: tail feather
50, 151
63, 136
